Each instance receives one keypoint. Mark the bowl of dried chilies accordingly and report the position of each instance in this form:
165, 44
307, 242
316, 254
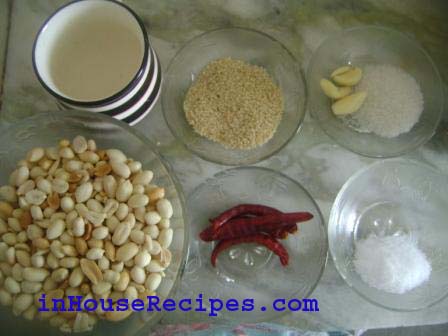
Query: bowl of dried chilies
259, 235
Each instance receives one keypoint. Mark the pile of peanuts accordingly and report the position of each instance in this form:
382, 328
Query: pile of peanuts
77, 220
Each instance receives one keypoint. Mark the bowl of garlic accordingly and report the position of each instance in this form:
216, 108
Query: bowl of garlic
375, 91
88, 210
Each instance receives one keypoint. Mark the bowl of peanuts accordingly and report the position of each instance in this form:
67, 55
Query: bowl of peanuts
88, 210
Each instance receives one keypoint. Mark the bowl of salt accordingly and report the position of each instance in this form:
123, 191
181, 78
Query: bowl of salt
389, 94
387, 234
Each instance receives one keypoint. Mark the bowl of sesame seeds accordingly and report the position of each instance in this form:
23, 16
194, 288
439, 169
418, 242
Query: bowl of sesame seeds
234, 96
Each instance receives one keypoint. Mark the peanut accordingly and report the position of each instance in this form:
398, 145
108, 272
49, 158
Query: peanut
75, 220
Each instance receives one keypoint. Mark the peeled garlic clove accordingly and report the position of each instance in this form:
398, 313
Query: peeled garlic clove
332, 90
348, 78
340, 70
344, 91
349, 104
329, 88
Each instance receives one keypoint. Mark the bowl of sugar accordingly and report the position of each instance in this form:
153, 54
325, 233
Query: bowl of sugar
375, 91
387, 234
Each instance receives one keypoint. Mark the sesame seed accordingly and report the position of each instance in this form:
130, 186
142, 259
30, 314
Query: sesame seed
234, 103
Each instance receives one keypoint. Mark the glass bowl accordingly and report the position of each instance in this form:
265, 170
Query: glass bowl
393, 197
250, 270
375, 45
46, 129
244, 44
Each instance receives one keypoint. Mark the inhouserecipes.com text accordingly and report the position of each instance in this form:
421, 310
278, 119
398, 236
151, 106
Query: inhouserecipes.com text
153, 303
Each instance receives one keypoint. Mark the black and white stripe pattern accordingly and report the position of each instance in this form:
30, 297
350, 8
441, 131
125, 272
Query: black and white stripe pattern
138, 106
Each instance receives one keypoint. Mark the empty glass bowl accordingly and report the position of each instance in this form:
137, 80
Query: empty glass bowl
251, 270
375, 45
46, 129
393, 197
243, 44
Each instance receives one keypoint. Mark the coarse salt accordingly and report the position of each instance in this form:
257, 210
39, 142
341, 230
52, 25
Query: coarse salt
394, 101
393, 264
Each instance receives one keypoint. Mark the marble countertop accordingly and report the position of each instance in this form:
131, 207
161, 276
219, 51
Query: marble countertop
311, 157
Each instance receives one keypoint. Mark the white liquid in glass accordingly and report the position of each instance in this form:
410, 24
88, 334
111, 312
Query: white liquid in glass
94, 58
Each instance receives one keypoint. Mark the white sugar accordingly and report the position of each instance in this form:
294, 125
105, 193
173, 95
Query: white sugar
394, 101
392, 264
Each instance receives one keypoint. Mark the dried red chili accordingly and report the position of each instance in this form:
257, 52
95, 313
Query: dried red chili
252, 223
260, 238
283, 232
242, 209
239, 227
208, 234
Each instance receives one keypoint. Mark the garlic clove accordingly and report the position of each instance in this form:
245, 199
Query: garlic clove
349, 104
